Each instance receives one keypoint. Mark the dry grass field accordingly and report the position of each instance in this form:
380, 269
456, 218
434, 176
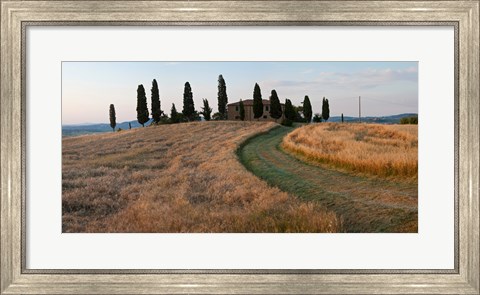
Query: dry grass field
373, 149
176, 178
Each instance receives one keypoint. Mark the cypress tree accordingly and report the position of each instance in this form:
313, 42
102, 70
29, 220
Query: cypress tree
156, 112
290, 113
326, 109
188, 106
222, 97
307, 109
174, 114
242, 110
206, 110
342, 117
113, 119
142, 110
257, 102
275, 106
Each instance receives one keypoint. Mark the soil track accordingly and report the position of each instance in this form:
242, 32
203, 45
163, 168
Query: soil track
365, 204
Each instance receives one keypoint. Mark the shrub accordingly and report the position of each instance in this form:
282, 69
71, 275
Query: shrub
217, 116
317, 118
287, 122
409, 120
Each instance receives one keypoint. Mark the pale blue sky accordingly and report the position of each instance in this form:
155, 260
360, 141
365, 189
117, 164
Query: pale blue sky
386, 88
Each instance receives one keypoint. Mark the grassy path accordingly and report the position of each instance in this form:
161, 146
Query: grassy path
365, 204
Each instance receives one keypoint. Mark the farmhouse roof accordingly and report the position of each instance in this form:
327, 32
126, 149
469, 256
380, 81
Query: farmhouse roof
249, 102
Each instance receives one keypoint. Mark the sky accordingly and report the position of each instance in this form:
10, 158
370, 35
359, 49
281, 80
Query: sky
386, 88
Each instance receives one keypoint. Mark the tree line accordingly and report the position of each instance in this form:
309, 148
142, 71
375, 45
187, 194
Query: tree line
188, 112
292, 113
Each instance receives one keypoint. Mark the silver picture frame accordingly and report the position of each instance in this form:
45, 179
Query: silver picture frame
17, 16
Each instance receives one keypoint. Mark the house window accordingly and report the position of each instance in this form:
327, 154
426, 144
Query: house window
236, 108
266, 108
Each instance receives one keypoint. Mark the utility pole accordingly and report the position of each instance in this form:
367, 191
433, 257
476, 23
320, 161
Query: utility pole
359, 110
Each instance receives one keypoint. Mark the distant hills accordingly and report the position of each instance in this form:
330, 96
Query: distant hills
81, 129
394, 119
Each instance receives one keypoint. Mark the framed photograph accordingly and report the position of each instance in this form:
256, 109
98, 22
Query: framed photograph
248, 147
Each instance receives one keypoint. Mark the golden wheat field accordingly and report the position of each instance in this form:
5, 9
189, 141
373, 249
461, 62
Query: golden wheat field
374, 149
176, 178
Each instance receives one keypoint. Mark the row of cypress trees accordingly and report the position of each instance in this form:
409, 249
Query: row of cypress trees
142, 108
276, 108
189, 113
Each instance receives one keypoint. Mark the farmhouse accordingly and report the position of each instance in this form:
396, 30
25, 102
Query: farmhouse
233, 111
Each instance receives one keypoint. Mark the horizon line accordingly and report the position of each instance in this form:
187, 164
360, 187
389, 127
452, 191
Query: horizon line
347, 116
